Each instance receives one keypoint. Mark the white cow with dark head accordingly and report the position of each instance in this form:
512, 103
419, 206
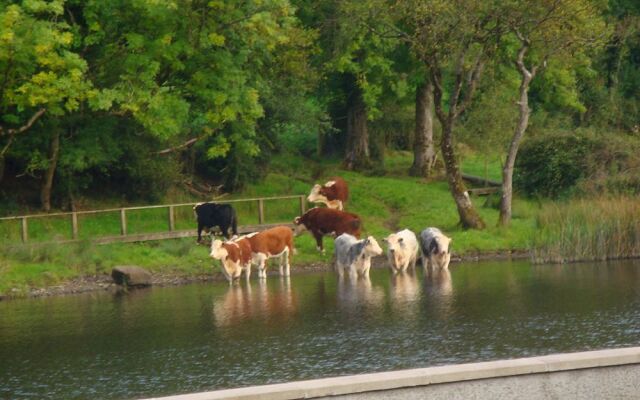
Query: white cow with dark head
354, 255
435, 249
402, 250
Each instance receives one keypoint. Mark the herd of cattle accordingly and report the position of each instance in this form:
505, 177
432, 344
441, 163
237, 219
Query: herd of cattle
352, 254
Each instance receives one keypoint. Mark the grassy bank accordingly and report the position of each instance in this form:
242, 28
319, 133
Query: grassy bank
583, 230
385, 203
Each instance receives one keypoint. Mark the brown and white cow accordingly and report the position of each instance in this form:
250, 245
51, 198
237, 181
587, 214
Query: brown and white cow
326, 221
273, 242
234, 255
334, 193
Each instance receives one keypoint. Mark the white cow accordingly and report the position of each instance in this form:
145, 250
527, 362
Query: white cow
355, 255
435, 249
402, 250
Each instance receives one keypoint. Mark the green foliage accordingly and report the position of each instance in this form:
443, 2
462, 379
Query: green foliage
38, 65
550, 165
582, 162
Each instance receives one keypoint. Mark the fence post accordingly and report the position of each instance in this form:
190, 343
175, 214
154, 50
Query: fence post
260, 211
172, 219
303, 204
25, 230
123, 222
74, 225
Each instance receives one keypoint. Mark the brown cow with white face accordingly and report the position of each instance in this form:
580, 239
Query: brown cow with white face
234, 255
322, 221
273, 242
334, 193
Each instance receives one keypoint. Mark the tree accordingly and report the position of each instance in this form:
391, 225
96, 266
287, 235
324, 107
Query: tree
454, 40
424, 155
544, 30
355, 63
39, 72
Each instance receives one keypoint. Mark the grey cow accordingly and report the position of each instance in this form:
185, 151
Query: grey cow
435, 249
355, 255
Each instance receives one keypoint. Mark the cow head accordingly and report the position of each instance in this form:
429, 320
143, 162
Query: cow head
218, 251
371, 247
443, 244
299, 226
394, 243
316, 195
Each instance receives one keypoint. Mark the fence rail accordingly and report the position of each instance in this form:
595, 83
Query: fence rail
170, 233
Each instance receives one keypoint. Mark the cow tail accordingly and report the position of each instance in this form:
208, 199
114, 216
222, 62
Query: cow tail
234, 222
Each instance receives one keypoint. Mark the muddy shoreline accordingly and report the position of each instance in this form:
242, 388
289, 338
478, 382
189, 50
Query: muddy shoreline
104, 282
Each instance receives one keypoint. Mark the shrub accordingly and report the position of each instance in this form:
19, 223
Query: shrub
583, 162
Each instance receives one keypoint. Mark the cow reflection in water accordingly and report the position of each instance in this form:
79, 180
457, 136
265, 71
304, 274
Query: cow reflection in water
404, 292
357, 293
439, 290
243, 303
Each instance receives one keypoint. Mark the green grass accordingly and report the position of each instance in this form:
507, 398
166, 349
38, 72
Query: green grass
595, 229
385, 203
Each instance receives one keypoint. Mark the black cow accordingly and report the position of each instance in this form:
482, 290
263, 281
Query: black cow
209, 215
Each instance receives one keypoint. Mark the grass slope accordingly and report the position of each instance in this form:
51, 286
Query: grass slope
385, 203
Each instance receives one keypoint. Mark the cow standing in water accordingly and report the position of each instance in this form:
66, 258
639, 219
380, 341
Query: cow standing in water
235, 256
210, 215
334, 194
402, 250
355, 255
322, 221
274, 242
435, 249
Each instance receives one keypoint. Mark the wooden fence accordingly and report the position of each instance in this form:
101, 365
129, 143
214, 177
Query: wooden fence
170, 233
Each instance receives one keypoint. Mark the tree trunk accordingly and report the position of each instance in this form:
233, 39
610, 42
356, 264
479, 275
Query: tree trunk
357, 156
424, 154
47, 184
523, 121
469, 217
507, 169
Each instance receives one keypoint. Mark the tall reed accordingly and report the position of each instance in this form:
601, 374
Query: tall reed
585, 230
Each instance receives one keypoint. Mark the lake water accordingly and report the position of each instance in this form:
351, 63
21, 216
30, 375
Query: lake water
164, 341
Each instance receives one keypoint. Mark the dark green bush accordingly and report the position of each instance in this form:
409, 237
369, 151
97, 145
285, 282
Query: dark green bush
550, 165
583, 163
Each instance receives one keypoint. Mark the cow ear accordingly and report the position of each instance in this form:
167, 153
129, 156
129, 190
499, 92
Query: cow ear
330, 183
296, 221
400, 240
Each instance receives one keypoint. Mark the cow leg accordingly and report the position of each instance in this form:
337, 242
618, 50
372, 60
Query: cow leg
224, 229
366, 267
287, 260
247, 271
353, 272
262, 265
447, 259
199, 233
284, 259
226, 274
318, 237
412, 263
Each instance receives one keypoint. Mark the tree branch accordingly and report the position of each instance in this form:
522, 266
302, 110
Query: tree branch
188, 143
23, 128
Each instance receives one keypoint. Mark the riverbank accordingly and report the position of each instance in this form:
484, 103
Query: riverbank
386, 204
104, 282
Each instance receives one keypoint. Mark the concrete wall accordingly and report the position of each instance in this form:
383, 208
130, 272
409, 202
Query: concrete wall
603, 374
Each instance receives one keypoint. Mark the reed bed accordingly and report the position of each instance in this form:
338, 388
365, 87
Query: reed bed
588, 230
